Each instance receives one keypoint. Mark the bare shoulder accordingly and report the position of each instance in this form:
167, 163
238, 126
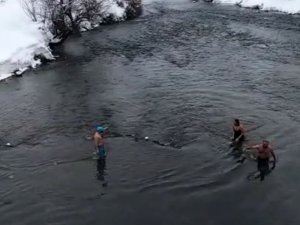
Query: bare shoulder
97, 136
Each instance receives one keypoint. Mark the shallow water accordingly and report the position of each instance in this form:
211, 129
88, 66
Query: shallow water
179, 75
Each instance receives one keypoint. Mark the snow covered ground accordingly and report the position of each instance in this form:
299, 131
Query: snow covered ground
287, 6
21, 38
114, 9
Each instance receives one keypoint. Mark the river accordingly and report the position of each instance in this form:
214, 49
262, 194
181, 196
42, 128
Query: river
178, 74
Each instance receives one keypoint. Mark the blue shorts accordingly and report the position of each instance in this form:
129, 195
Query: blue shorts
101, 151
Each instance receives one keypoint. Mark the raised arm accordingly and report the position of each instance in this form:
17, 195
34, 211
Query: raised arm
254, 147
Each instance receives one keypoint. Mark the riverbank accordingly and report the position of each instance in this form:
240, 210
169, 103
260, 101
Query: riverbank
26, 40
22, 54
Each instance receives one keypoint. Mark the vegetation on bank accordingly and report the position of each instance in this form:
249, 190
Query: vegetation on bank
65, 17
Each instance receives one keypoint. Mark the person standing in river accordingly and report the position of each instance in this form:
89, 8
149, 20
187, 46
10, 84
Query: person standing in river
99, 141
238, 132
263, 153
101, 153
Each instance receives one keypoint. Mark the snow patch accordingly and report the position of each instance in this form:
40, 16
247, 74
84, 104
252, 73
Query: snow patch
4, 76
114, 9
21, 39
287, 6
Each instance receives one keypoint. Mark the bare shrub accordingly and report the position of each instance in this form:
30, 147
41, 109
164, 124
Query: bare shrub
63, 17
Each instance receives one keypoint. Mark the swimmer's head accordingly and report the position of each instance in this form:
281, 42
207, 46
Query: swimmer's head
236, 122
265, 143
100, 129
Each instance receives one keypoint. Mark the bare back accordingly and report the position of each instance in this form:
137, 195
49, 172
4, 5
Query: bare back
98, 139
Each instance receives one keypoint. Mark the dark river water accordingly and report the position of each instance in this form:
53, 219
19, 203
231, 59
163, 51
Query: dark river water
178, 74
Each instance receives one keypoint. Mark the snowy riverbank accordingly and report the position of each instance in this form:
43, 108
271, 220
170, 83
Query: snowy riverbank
287, 6
22, 39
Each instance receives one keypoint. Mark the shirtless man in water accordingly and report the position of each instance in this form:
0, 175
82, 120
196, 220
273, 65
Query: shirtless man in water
263, 153
99, 141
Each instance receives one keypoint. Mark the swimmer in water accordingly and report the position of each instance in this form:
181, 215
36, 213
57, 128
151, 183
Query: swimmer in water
99, 141
238, 132
263, 152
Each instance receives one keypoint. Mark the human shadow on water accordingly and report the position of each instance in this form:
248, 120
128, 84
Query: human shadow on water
101, 171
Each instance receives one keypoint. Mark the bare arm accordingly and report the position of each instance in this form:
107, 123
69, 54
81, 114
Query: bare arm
96, 142
273, 154
274, 157
233, 132
253, 147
